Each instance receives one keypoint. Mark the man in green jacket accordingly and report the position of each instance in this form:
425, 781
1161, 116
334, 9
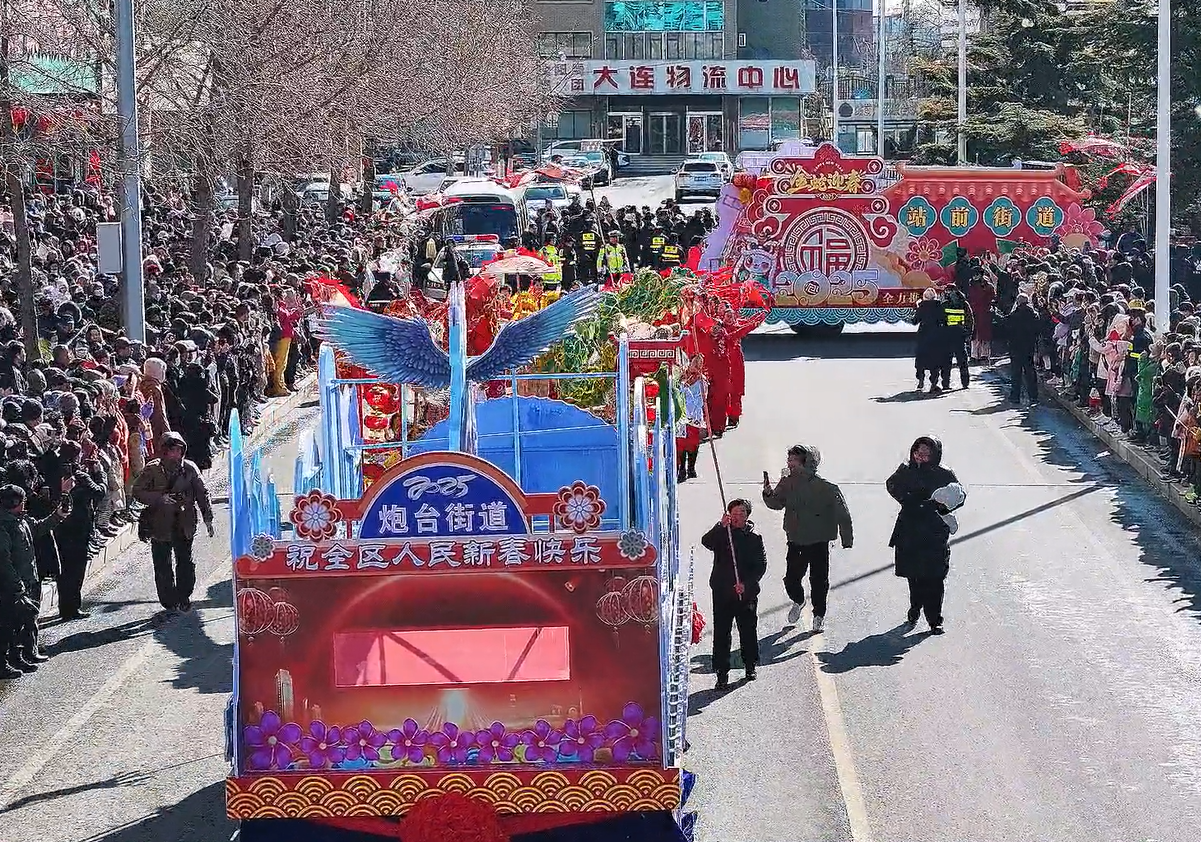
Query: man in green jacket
815, 514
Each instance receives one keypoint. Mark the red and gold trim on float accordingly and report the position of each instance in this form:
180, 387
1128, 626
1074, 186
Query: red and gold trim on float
315, 795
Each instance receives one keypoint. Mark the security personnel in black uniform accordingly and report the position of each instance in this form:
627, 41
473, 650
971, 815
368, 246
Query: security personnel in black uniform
959, 329
588, 245
672, 255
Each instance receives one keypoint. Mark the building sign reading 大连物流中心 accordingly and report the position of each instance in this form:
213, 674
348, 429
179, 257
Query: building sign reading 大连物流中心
615, 78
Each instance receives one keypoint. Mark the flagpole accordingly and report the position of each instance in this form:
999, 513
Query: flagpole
962, 80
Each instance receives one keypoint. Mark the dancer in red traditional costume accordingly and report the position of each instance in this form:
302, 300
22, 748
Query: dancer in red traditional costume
688, 429
736, 330
711, 340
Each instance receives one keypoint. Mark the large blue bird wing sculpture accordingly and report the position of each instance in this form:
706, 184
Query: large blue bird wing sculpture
398, 350
519, 343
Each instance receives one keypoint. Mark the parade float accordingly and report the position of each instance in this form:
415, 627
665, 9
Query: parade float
476, 628
839, 239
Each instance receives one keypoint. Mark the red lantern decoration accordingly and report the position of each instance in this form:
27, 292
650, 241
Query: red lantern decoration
278, 595
375, 422
383, 399
372, 471
286, 620
641, 600
611, 609
256, 611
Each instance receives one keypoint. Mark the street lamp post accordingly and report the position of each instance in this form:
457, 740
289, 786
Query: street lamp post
880, 81
962, 80
133, 294
1163, 167
834, 72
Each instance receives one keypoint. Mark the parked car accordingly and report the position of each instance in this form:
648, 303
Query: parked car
595, 164
722, 160
536, 196
429, 176
698, 178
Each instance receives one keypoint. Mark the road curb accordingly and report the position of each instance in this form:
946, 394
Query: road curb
270, 420
1145, 464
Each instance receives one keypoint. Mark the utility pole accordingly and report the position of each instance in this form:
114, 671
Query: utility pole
133, 293
880, 80
834, 72
14, 183
1163, 169
962, 80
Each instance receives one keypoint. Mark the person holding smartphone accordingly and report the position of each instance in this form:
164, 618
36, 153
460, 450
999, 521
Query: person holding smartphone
815, 514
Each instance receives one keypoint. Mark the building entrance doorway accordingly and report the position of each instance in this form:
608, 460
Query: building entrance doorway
705, 132
626, 127
665, 134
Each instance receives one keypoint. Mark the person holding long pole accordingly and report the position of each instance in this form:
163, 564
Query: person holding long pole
739, 564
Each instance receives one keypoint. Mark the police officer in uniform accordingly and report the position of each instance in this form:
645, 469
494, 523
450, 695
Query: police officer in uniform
654, 252
587, 250
612, 261
672, 255
959, 328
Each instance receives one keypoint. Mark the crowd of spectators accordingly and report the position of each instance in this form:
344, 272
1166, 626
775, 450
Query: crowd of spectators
78, 423
1085, 319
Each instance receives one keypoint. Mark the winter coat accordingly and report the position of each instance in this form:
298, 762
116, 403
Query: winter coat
920, 537
815, 511
18, 571
1144, 410
168, 520
1022, 329
1118, 383
931, 320
751, 559
980, 297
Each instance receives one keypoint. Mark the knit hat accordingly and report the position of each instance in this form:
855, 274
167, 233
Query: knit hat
155, 369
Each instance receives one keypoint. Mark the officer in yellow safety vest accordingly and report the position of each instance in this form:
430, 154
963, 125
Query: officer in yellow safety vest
550, 253
960, 326
612, 260
672, 255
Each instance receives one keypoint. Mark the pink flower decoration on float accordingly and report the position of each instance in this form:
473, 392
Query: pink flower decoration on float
923, 250
579, 507
1080, 220
315, 516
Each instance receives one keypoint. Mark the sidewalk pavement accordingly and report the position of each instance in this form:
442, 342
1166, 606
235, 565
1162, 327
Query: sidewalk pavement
1143, 461
270, 420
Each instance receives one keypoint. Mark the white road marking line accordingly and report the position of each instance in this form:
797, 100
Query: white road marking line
840, 748
52, 748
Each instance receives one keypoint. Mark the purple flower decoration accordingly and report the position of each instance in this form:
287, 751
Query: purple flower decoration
363, 742
408, 743
271, 742
634, 734
495, 744
581, 739
451, 743
542, 742
323, 745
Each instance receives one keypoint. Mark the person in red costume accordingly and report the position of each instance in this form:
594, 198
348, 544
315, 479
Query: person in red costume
736, 330
711, 341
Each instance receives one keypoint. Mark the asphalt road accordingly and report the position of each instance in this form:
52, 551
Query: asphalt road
1064, 702
646, 190
119, 736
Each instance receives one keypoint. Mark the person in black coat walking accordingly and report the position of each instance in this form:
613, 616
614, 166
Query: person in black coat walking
931, 354
1022, 328
920, 537
735, 585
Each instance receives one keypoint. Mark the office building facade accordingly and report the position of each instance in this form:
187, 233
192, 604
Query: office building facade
671, 78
